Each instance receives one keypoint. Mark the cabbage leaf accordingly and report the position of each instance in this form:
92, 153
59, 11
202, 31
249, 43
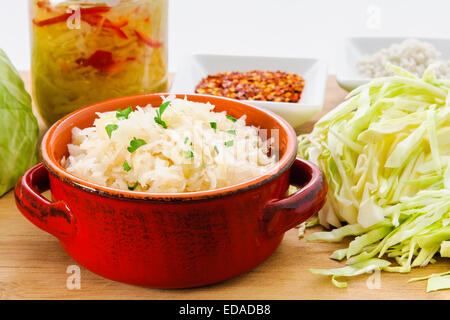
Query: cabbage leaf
18, 126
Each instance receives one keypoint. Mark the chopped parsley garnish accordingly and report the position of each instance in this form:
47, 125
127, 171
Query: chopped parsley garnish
159, 113
133, 187
110, 128
229, 143
123, 114
189, 154
135, 144
231, 118
233, 132
213, 126
160, 122
216, 149
126, 166
186, 141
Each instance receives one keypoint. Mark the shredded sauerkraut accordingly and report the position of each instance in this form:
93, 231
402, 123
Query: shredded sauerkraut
182, 146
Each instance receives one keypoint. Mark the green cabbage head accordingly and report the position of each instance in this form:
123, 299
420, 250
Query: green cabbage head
19, 129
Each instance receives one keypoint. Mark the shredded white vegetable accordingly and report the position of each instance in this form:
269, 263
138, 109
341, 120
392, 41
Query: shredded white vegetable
199, 150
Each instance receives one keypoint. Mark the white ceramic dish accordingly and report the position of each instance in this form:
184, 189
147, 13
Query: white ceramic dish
192, 69
352, 49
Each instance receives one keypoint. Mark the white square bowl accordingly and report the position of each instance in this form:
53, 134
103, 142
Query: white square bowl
352, 49
192, 69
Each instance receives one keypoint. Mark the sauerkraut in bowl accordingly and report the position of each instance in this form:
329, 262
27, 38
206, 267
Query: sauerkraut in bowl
180, 146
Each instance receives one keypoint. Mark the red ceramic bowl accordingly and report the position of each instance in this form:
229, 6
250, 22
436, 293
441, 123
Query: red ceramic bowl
170, 240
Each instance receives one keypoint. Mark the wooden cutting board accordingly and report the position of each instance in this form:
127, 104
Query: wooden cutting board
34, 266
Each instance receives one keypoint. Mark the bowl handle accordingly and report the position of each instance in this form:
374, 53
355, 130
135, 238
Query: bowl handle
281, 215
52, 217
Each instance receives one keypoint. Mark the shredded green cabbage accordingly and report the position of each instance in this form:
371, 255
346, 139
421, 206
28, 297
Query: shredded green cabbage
352, 270
386, 154
445, 249
436, 282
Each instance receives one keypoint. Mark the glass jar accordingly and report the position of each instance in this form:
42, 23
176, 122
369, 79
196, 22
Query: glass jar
89, 51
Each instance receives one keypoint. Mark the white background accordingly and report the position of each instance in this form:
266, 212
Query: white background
301, 28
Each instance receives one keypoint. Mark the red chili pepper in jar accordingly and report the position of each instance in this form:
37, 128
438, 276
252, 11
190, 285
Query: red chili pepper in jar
147, 40
100, 60
65, 16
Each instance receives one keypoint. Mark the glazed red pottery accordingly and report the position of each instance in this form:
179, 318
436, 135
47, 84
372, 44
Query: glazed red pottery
170, 240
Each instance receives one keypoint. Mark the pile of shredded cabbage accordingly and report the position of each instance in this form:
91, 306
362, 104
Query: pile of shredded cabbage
182, 146
386, 154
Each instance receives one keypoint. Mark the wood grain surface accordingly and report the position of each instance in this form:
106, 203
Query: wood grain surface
33, 265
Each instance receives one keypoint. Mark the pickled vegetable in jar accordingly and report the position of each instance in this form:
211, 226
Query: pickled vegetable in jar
84, 52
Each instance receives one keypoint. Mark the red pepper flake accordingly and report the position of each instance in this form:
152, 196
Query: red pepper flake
147, 40
254, 85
